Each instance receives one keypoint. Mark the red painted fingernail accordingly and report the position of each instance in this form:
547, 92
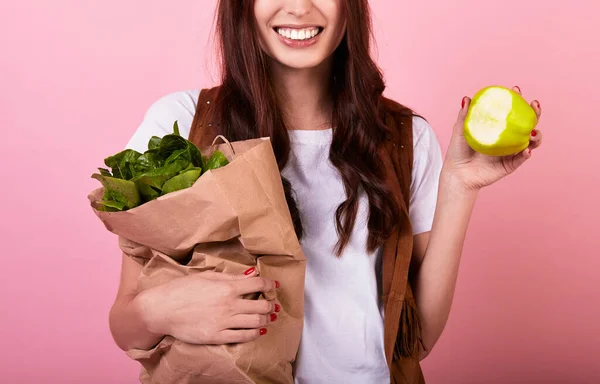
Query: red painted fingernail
464, 101
533, 133
273, 317
539, 106
277, 285
516, 86
263, 331
277, 308
250, 271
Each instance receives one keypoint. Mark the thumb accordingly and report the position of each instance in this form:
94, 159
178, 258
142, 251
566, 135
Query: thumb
222, 276
462, 115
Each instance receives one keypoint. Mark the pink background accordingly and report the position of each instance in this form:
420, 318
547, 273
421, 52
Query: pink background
76, 78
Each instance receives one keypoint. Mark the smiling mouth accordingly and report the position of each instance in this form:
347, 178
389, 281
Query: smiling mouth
298, 34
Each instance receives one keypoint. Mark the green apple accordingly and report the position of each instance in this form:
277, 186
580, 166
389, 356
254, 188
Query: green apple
499, 122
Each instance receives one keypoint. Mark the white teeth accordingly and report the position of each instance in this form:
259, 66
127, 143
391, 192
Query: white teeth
298, 34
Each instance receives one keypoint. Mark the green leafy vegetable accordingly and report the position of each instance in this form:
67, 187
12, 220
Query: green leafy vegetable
217, 160
147, 162
119, 194
182, 181
157, 177
170, 164
154, 142
122, 163
105, 172
147, 192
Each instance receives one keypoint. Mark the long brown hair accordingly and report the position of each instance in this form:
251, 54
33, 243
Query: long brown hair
248, 108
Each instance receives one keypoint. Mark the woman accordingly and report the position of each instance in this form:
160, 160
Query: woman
299, 71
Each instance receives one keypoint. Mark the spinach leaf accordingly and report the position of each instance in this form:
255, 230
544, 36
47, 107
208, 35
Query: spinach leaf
183, 180
147, 192
217, 160
169, 144
111, 206
195, 155
104, 172
189, 167
147, 162
180, 156
174, 142
118, 194
121, 163
154, 142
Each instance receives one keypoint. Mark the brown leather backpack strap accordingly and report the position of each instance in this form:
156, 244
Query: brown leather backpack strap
203, 126
404, 151
409, 333
398, 180
406, 331
399, 120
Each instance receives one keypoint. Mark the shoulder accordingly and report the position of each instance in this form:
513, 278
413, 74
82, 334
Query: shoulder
424, 136
426, 164
426, 169
175, 104
160, 116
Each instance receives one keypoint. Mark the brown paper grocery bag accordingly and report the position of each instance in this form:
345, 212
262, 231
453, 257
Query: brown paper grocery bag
232, 218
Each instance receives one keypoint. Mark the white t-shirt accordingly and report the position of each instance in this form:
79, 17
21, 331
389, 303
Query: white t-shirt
342, 340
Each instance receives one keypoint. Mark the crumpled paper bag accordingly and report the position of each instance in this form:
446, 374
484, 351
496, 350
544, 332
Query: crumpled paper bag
232, 218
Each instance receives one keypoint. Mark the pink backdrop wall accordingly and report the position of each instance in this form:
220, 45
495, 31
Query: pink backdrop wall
77, 76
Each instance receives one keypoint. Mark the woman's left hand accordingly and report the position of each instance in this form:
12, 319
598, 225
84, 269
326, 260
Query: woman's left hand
473, 170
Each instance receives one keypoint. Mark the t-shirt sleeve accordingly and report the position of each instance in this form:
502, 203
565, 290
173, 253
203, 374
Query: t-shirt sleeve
162, 114
427, 165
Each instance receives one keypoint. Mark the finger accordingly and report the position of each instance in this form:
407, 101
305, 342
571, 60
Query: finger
230, 336
255, 285
255, 306
535, 104
521, 158
222, 276
466, 103
246, 321
536, 139
462, 114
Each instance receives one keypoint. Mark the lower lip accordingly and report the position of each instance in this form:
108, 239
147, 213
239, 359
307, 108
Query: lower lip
299, 43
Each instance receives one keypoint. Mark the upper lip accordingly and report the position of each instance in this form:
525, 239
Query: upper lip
297, 26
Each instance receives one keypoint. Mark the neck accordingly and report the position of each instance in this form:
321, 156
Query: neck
304, 95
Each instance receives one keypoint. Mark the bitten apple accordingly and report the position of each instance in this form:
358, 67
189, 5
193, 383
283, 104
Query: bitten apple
499, 122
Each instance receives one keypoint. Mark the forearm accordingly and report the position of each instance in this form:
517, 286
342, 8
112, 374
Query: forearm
130, 326
435, 280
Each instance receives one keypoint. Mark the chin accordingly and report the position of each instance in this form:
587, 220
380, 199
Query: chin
295, 64
299, 60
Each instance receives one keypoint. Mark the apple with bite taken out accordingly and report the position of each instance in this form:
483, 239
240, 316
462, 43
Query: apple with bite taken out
499, 122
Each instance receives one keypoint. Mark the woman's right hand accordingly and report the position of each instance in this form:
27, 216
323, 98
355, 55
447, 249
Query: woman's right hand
208, 308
